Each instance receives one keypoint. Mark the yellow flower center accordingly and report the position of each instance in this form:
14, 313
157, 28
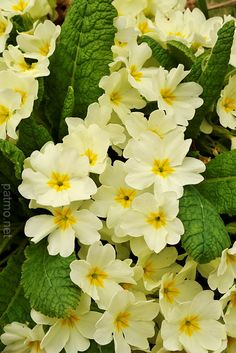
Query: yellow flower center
122, 320
2, 27
96, 277
162, 168
125, 197
20, 5
168, 95
137, 75
34, 346
229, 104
115, 98
24, 96
233, 299
144, 28
176, 34
44, 49
59, 181
70, 321
231, 259
170, 291
148, 270
5, 114
91, 156
24, 66
157, 219
120, 44
189, 325
64, 218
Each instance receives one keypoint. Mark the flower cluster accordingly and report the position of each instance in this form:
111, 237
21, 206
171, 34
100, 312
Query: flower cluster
113, 186
22, 64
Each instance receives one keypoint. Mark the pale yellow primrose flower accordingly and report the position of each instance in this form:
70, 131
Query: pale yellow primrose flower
179, 100
71, 333
128, 321
10, 102
222, 278
16, 7
162, 162
42, 43
19, 338
226, 105
129, 7
100, 274
229, 304
193, 325
154, 219
62, 227
16, 61
5, 28
56, 176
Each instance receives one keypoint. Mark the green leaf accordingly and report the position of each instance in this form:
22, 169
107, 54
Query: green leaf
82, 56
96, 348
162, 55
219, 185
212, 77
32, 136
11, 160
13, 304
198, 67
46, 281
181, 53
202, 5
67, 111
231, 228
205, 236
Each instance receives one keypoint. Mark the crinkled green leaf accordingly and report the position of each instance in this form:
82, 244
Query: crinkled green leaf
32, 136
13, 304
212, 77
205, 235
82, 56
67, 111
11, 159
198, 67
181, 53
159, 53
46, 281
219, 185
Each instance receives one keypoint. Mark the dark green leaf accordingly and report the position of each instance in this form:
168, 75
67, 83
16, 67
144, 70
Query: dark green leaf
181, 53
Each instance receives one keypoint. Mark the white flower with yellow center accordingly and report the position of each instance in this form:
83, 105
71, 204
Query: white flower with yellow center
226, 105
155, 220
123, 39
5, 28
114, 197
62, 227
100, 274
222, 278
17, 7
193, 325
128, 321
175, 289
19, 338
156, 265
41, 9
10, 102
229, 304
55, 176
71, 333
119, 94
27, 87
129, 7
162, 162
41, 43
89, 141
16, 61
179, 100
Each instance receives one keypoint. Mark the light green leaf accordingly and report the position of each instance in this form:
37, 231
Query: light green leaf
67, 111
13, 304
205, 236
82, 56
181, 53
219, 185
159, 53
32, 136
46, 281
213, 75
